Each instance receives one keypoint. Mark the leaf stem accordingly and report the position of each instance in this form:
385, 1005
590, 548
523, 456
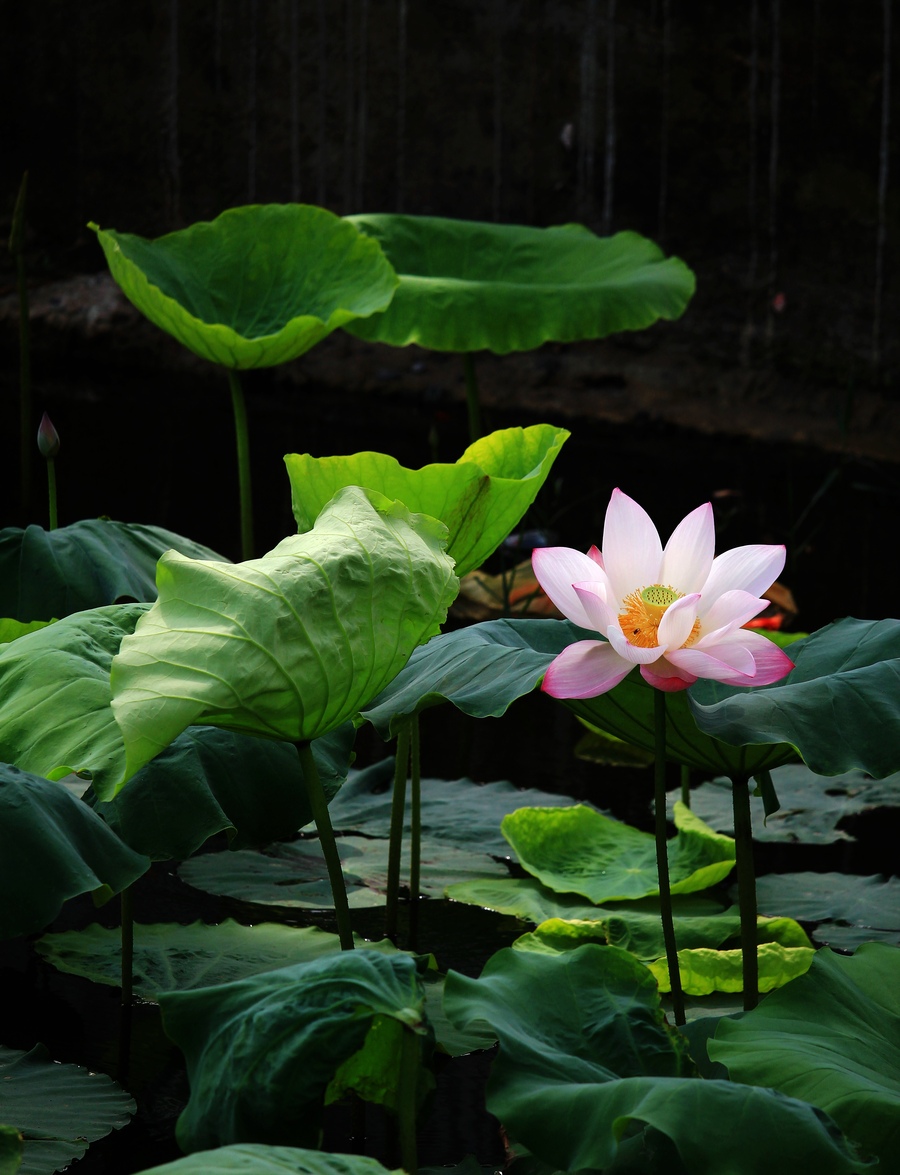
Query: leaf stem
127, 983
395, 846
406, 1100
473, 402
685, 785
319, 805
743, 848
415, 848
239, 407
662, 856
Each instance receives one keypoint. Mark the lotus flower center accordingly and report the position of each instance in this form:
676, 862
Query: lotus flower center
643, 610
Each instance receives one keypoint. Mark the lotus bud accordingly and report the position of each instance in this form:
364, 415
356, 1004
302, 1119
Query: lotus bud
47, 438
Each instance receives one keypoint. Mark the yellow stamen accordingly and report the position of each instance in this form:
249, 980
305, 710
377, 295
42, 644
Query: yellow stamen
643, 610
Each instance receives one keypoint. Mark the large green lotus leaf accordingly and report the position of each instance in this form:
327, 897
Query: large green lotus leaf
839, 706
640, 930
812, 806
832, 1038
704, 971
481, 669
262, 1051
11, 630
52, 848
579, 850
480, 498
290, 645
849, 910
259, 1159
470, 286
56, 695
585, 1053
46, 574
11, 1145
526, 898
58, 1109
255, 287
295, 874
455, 811
210, 780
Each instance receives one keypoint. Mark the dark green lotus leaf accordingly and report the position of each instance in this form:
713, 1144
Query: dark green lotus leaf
51, 573
295, 874
481, 669
255, 287
455, 811
56, 695
210, 780
52, 848
812, 806
290, 645
479, 499
471, 286
850, 910
579, 850
58, 1109
839, 706
263, 1052
585, 1053
259, 1159
832, 1038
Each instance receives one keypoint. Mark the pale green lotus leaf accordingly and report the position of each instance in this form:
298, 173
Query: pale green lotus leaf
704, 970
480, 498
255, 287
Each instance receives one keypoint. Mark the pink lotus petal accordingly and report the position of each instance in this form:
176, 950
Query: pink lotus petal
733, 666
667, 677
750, 569
594, 554
677, 622
688, 556
772, 663
584, 670
729, 612
632, 653
557, 569
632, 551
593, 599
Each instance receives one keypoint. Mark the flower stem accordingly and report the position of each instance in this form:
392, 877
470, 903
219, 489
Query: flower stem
415, 848
51, 492
662, 857
319, 805
243, 457
743, 847
395, 847
472, 400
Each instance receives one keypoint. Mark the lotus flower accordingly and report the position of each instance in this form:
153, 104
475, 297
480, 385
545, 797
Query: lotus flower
676, 612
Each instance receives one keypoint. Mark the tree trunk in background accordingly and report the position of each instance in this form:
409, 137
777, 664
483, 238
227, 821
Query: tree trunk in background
609, 153
251, 108
883, 165
322, 162
171, 159
774, 134
665, 83
402, 15
587, 129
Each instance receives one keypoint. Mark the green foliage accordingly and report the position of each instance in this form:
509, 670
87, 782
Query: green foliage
850, 910
50, 573
479, 499
58, 1109
262, 1052
255, 287
587, 1061
704, 971
290, 645
258, 1159
578, 850
53, 847
469, 286
843, 687
833, 1038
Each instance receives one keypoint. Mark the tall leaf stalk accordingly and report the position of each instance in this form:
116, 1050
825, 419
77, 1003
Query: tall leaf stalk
243, 457
743, 846
319, 806
395, 846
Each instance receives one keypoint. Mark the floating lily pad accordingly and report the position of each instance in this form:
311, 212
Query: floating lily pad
59, 1109
52, 848
290, 645
833, 1038
578, 850
812, 806
255, 287
46, 574
468, 285
849, 908
479, 499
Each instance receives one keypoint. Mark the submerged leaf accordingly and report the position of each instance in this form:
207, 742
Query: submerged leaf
290, 645
469, 286
255, 287
479, 499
